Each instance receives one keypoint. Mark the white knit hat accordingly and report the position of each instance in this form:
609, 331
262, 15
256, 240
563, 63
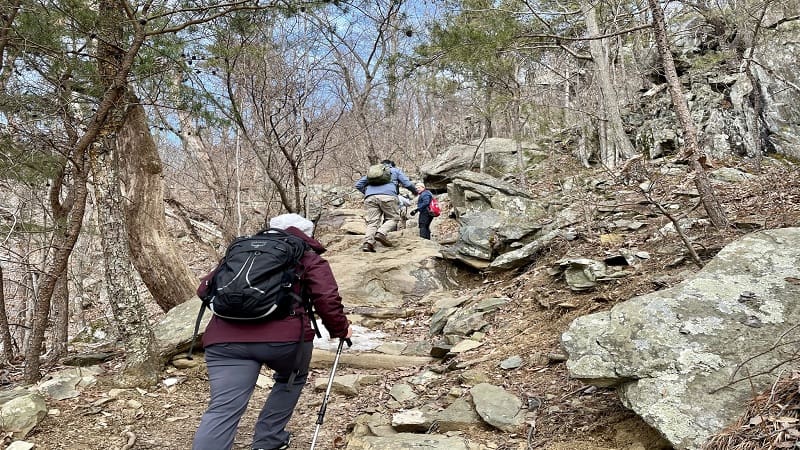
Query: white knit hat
285, 221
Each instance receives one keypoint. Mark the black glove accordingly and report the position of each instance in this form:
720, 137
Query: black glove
413, 212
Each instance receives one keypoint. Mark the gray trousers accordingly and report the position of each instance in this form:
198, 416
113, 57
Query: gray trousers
232, 371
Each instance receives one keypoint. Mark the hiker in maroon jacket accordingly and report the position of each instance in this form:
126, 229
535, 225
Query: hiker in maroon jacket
235, 352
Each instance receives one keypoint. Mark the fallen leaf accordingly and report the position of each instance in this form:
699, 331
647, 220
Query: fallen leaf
756, 420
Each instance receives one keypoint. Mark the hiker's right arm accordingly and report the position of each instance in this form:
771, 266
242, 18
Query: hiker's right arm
403, 179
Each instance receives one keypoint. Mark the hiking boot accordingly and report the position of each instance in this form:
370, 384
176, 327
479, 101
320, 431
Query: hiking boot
367, 247
380, 237
283, 446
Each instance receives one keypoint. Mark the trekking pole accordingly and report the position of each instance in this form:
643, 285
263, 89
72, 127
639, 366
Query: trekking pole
321, 413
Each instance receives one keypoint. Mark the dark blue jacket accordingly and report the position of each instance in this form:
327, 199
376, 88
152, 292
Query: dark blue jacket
424, 200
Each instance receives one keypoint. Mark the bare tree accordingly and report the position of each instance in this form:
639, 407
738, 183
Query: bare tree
615, 144
5, 330
361, 56
692, 151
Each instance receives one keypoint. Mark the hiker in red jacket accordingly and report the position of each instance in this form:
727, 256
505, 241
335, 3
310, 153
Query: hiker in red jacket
235, 352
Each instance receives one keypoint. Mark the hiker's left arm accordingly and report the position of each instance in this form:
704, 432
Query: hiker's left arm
324, 292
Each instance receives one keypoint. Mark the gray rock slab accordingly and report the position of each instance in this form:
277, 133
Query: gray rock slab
412, 421
174, 332
460, 415
408, 441
402, 392
497, 407
407, 269
687, 359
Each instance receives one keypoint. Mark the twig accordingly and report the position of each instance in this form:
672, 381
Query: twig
531, 432
774, 346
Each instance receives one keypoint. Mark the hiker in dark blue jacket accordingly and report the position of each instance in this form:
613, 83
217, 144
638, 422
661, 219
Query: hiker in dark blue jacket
380, 202
425, 217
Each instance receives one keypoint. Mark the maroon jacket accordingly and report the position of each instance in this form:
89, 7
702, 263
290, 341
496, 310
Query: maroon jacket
317, 281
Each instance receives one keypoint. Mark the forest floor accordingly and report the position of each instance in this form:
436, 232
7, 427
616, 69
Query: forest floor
570, 415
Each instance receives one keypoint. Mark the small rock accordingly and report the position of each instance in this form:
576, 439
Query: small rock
513, 362
264, 382
116, 393
440, 350
465, 345
133, 404
184, 363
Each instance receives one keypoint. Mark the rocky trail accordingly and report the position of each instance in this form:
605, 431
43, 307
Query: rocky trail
403, 385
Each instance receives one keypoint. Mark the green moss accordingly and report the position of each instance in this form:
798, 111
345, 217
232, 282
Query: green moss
709, 60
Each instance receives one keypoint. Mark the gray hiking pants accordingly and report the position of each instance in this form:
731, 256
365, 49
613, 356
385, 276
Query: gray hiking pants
232, 371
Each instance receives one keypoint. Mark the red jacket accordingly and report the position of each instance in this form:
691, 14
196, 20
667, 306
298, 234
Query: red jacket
317, 281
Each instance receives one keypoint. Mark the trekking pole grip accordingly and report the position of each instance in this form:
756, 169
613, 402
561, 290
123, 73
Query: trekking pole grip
349, 342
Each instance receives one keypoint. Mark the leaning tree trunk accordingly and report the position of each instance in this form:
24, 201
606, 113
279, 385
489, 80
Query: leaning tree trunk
158, 262
61, 208
618, 145
63, 245
692, 149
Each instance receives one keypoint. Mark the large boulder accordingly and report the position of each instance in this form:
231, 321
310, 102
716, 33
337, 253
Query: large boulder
775, 73
492, 215
174, 332
689, 358
410, 269
20, 411
500, 160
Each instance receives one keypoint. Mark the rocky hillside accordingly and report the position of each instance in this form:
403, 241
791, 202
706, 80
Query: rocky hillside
440, 341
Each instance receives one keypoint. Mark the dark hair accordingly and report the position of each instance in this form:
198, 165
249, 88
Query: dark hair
388, 162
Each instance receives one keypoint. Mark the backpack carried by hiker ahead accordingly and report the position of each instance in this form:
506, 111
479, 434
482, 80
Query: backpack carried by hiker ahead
379, 174
255, 280
433, 208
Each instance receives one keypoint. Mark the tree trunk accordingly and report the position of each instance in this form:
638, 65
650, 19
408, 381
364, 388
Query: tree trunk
692, 149
161, 268
63, 245
5, 331
142, 363
130, 315
60, 332
617, 144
